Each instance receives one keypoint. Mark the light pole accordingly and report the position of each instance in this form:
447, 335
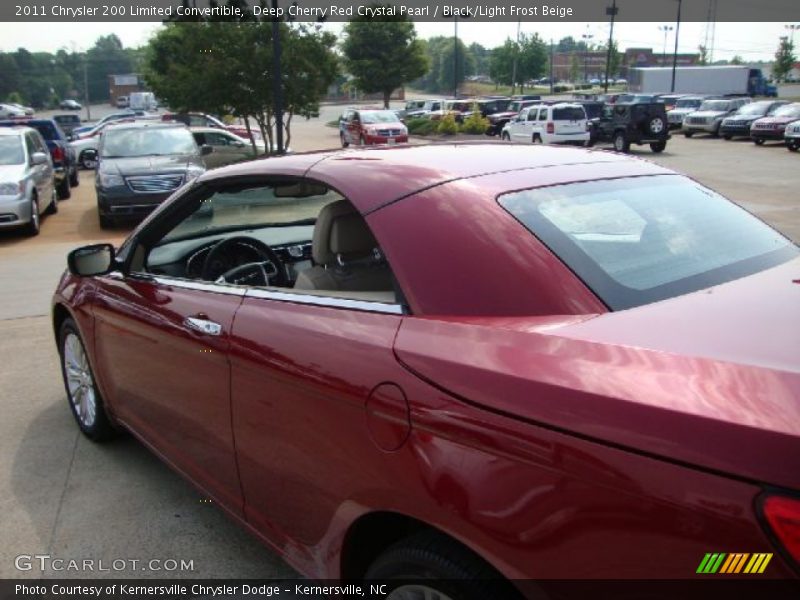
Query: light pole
514, 66
587, 38
277, 84
792, 28
675, 54
455, 56
666, 29
612, 12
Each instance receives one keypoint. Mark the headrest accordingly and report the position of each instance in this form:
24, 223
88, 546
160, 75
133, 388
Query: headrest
340, 229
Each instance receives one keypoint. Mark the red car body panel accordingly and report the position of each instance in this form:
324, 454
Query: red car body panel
547, 427
771, 128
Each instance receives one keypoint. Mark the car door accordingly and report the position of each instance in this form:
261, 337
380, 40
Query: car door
227, 149
42, 175
164, 343
518, 125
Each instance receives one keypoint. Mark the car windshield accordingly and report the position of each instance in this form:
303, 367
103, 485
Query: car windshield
688, 103
378, 116
792, 110
645, 239
123, 143
715, 105
11, 150
756, 108
568, 113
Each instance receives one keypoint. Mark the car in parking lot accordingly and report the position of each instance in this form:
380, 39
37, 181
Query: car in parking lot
140, 164
738, 124
122, 102
371, 126
206, 120
792, 136
683, 106
63, 158
561, 123
708, 117
10, 111
27, 187
498, 120
227, 147
116, 116
626, 123
68, 123
70, 104
463, 366
773, 127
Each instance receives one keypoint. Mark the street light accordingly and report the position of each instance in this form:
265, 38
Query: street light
792, 28
666, 29
587, 38
612, 11
675, 54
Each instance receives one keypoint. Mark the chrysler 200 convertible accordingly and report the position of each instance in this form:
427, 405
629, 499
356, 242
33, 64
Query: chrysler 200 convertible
456, 362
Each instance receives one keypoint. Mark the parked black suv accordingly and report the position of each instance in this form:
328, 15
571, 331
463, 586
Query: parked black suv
628, 123
64, 163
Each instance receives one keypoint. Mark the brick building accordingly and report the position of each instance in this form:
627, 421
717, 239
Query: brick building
123, 85
592, 64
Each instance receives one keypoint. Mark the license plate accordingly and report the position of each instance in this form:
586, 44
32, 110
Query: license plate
391, 141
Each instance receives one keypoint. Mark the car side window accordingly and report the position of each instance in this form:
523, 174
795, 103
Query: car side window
293, 236
218, 139
31, 146
543, 114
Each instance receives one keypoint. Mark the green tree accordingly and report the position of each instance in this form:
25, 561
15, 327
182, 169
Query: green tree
737, 60
574, 68
106, 57
383, 55
784, 59
530, 56
614, 59
703, 55
480, 56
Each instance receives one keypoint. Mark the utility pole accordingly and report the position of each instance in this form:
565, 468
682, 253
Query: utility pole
277, 83
612, 12
666, 29
675, 54
587, 40
514, 66
86, 90
455, 56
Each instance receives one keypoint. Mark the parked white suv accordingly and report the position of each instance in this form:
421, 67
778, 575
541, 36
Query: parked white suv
562, 123
792, 136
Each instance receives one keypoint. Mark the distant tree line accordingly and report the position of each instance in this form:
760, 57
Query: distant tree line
42, 79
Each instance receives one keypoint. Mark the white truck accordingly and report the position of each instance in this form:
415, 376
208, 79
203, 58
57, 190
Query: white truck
719, 80
142, 101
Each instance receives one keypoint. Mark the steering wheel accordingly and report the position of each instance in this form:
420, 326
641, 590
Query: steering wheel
268, 270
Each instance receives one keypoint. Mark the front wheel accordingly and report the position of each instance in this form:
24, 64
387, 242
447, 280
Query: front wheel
793, 146
432, 567
727, 137
34, 225
84, 397
758, 142
86, 163
688, 134
53, 208
658, 146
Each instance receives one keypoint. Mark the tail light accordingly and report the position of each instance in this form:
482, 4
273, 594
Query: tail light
58, 154
551, 128
783, 516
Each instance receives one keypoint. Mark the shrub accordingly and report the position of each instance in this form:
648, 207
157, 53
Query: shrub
476, 123
421, 126
448, 125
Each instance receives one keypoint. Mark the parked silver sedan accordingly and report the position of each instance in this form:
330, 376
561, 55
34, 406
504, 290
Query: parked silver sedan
27, 188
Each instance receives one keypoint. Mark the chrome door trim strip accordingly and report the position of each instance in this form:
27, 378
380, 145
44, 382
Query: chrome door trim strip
326, 301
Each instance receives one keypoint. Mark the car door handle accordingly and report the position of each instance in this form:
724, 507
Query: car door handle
203, 325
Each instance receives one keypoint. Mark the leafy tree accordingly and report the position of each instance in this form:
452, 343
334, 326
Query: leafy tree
449, 72
615, 59
737, 60
530, 55
574, 68
383, 55
480, 56
9, 75
784, 59
106, 57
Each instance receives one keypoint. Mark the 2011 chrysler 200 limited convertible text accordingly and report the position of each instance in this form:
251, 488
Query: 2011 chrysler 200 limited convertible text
456, 361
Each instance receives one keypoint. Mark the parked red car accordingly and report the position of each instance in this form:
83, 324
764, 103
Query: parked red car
774, 126
448, 361
371, 126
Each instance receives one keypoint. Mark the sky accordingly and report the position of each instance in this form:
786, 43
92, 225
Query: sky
751, 41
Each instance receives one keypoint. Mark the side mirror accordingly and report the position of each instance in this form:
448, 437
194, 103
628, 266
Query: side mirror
205, 149
39, 158
87, 261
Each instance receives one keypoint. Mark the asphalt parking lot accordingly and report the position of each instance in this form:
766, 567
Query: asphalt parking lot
64, 496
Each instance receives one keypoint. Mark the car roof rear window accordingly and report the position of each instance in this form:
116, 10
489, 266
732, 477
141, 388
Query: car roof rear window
639, 240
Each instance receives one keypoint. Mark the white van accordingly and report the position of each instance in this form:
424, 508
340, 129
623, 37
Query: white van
142, 101
562, 123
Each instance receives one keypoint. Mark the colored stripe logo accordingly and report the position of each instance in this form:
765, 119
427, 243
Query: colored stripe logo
735, 562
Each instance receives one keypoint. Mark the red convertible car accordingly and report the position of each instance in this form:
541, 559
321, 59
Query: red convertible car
455, 362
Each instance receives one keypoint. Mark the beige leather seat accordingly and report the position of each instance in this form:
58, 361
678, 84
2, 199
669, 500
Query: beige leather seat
346, 254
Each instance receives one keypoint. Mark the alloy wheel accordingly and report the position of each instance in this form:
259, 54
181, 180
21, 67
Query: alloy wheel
80, 384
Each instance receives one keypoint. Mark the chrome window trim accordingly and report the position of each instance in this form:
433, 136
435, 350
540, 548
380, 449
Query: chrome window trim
325, 301
264, 294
